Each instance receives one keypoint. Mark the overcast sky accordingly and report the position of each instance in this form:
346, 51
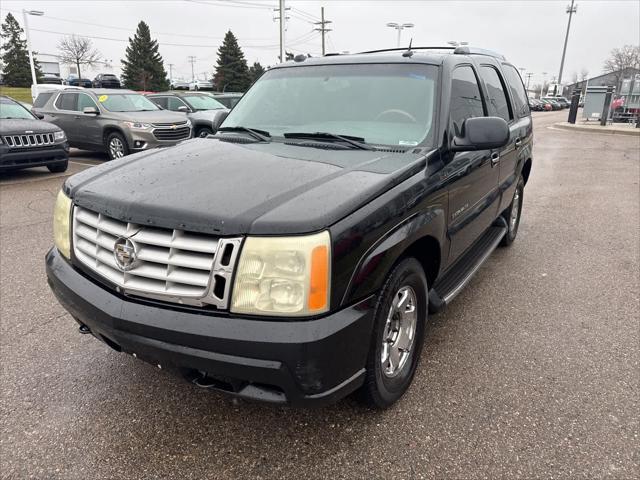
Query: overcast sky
530, 33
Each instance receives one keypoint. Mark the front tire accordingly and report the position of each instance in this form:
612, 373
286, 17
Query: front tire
512, 214
58, 167
116, 146
203, 132
398, 333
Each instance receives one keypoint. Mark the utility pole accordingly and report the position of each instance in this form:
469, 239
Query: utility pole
36, 13
571, 9
192, 61
529, 74
322, 28
282, 19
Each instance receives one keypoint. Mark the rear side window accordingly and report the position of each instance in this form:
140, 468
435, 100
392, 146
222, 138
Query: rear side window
41, 99
67, 101
498, 104
466, 101
160, 101
518, 92
175, 103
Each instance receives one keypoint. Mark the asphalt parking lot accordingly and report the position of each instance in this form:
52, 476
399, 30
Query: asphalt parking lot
533, 371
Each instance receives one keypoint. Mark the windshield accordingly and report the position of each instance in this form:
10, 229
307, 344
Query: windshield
203, 102
9, 109
390, 104
127, 102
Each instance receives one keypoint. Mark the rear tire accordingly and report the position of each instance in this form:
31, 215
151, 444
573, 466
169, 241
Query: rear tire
512, 214
116, 146
395, 350
58, 167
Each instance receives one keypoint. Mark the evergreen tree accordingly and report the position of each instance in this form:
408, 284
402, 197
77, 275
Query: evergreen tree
256, 71
232, 73
143, 68
15, 57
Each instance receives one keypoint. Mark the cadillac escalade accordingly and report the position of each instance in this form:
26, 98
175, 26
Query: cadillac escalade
295, 256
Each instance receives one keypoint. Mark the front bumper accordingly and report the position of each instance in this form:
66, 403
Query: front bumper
297, 362
139, 140
15, 158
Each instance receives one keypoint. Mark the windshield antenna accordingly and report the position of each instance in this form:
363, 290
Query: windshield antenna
408, 53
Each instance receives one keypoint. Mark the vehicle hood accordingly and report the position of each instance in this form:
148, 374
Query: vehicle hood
15, 127
213, 186
154, 116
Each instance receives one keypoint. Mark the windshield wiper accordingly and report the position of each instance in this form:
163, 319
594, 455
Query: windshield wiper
357, 142
261, 135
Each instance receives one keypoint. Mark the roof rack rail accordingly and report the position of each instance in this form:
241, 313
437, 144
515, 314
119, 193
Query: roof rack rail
464, 50
404, 49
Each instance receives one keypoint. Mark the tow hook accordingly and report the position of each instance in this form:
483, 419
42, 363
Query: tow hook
84, 329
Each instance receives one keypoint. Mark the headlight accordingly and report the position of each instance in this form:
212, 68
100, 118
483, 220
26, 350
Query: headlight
59, 136
287, 276
138, 125
61, 215
188, 122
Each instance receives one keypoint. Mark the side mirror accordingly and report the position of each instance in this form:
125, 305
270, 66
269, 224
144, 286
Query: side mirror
219, 118
183, 109
482, 133
40, 116
90, 111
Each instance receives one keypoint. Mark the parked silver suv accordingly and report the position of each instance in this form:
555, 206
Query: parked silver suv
116, 121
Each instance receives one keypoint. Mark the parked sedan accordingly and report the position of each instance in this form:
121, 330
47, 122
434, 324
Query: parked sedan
179, 85
536, 105
205, 112
106, 80
51, 79
201, 85
26, 141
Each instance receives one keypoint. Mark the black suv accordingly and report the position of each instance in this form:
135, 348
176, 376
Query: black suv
294, 257
26, 141
106, 80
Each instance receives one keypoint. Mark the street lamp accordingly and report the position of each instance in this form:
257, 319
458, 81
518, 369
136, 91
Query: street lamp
399, 27
455, 43
35, 13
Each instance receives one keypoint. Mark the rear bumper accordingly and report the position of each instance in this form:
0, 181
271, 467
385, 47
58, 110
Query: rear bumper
11, 159
299, 362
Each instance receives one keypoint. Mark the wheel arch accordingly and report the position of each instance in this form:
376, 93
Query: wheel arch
526, 170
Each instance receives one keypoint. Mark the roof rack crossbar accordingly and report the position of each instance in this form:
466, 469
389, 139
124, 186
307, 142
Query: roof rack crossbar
404, 49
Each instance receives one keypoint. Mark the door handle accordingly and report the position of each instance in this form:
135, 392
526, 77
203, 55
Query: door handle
495, 158
518, 142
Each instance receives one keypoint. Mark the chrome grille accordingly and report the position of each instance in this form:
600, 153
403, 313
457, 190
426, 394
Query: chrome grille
29, 140
173, 265
179, 133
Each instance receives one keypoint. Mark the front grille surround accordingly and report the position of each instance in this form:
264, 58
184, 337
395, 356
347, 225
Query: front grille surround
29, 140
175, 266
167, 132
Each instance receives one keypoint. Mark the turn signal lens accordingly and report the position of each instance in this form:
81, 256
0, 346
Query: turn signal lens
61, 224
287, 276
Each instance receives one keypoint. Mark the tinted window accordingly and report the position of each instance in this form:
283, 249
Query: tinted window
517, 90
41, 99
85, 100
174, 103
67, 101
160, 101
498, 104
466, 101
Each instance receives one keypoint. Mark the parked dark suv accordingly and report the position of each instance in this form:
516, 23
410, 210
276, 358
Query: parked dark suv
205, 112
26, 141
116, 121
294, 257
106, 80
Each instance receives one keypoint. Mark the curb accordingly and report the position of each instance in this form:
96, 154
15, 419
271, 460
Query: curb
567, 126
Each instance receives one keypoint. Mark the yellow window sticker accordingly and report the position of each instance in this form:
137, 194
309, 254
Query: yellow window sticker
103, 98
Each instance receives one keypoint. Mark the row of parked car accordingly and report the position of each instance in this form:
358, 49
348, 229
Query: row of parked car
546, 104
102, 80
115, 121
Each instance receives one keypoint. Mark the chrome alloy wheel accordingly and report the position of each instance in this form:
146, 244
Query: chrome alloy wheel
116, 148
515, 210
399, 331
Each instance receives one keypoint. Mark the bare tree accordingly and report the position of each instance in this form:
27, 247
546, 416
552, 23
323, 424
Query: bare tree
621, 58
78, 51
584, 73
574, 77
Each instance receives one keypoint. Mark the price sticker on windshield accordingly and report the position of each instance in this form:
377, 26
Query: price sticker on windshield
103, 98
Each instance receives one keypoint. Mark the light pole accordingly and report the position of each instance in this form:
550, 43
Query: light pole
571, 9
36, 13
399, 27
544, 79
